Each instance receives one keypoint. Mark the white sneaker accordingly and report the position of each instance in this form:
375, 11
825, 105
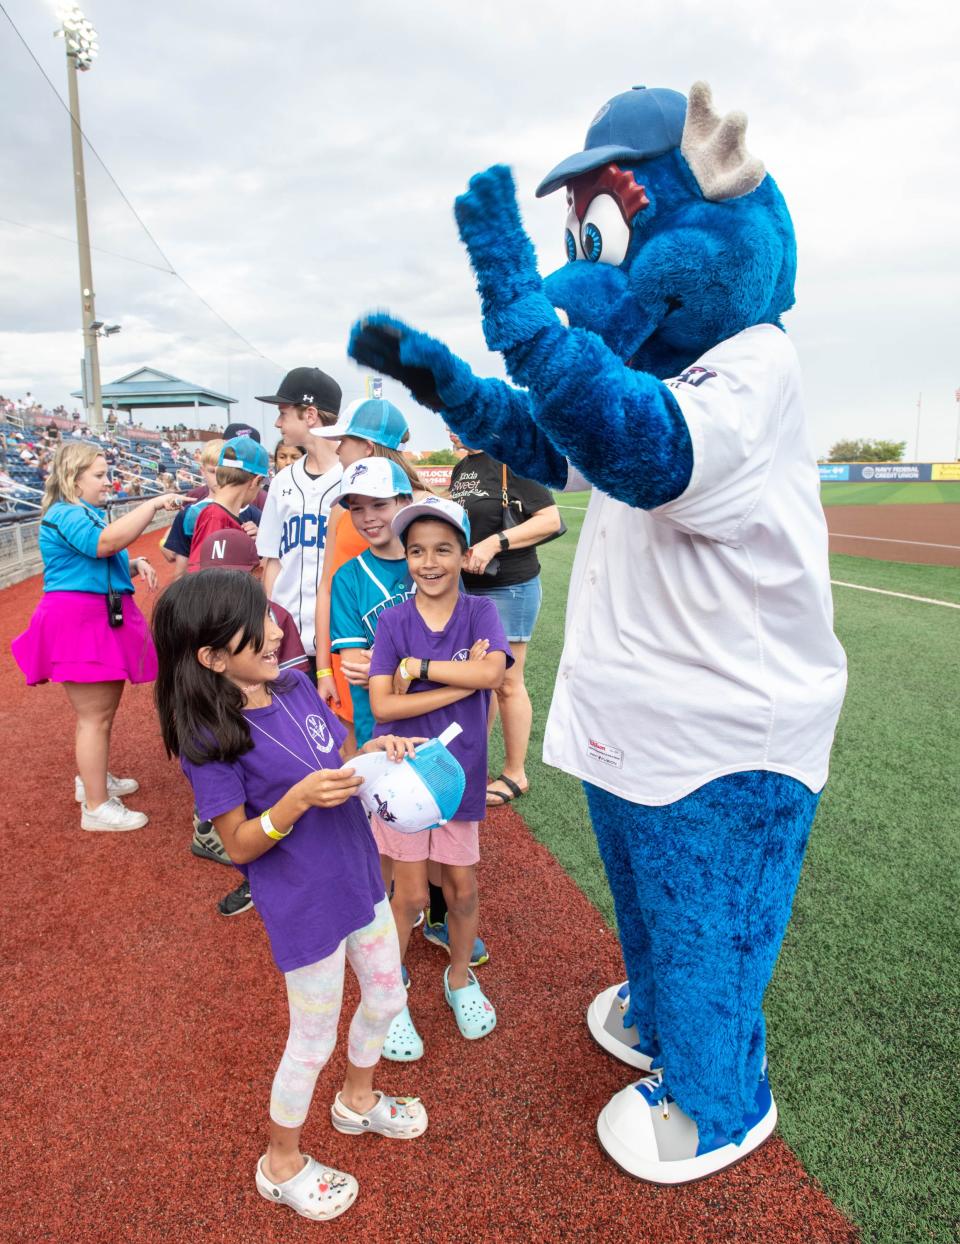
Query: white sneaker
111, 815
647, 1134
605, 1017
116, 788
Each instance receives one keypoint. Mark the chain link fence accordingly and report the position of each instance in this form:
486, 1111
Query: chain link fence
20, 544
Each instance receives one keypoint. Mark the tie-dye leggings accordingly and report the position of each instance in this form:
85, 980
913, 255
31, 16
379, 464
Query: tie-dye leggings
315, 994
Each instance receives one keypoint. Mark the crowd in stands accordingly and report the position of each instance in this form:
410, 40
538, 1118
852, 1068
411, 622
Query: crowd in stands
142, 462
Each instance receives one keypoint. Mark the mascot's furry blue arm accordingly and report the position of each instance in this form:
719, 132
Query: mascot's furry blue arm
700, 680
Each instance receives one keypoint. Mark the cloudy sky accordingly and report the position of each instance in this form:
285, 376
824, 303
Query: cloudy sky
297, 163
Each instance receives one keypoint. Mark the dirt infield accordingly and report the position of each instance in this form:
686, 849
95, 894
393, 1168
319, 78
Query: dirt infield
143, 1030
928, 534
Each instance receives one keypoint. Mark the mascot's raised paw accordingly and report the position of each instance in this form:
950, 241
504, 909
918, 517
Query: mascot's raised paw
511, 291
432, 373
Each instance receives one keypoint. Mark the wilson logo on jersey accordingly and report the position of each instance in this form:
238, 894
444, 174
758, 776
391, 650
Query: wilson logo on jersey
308, 531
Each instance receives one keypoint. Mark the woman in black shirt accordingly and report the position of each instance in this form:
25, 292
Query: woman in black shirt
477, 484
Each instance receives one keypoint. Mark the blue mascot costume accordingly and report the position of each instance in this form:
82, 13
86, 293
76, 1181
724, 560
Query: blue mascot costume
700, 681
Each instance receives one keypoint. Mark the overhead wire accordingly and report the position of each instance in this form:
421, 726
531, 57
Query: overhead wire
170, 269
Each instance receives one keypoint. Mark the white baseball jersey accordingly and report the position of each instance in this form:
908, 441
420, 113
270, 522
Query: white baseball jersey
294, 529
699, 635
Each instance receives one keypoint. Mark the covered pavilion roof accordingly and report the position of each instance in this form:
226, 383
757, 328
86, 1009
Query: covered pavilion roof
146, 387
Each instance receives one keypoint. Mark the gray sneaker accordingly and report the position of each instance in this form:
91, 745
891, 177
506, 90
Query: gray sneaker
206, 843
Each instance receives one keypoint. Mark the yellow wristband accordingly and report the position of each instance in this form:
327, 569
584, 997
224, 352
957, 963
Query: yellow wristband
268, 828
327, 673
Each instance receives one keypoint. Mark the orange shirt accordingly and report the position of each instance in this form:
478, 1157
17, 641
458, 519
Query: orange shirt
347, 544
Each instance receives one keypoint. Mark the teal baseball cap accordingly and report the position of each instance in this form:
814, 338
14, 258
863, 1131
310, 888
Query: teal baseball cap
371, 419
247, 455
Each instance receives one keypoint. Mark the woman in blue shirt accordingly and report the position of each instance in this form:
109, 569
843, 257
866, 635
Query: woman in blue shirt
87, 631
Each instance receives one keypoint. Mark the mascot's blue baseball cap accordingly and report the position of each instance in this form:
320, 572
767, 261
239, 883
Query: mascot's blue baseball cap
636, 125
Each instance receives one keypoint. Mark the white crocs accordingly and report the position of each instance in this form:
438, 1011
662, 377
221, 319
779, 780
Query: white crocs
116, 787
317, 1192
605, 1016
400, 1118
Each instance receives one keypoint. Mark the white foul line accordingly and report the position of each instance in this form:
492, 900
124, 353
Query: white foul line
926, 600
920, 544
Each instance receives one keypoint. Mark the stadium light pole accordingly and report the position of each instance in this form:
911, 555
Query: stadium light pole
81, 43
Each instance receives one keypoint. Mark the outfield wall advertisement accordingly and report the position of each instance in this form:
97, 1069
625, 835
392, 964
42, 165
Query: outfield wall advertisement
885, 472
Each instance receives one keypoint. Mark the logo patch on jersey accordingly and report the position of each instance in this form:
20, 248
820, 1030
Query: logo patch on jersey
319, 732
606, 753
286, 492
462, 655
696, 376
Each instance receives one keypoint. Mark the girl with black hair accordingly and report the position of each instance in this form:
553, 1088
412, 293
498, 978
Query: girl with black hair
263, 754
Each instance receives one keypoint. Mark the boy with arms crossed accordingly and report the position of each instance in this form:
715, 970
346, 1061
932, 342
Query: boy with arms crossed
436, 659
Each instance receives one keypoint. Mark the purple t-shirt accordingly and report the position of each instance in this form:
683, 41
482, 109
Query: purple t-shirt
319, 884
402, 632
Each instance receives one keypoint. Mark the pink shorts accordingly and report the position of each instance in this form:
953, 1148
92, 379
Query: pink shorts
457, 843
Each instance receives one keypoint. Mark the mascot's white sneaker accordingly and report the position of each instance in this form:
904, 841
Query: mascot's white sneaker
605, 1021
647, 1134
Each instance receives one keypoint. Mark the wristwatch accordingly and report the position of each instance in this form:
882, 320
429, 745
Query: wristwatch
504, 542
424, 669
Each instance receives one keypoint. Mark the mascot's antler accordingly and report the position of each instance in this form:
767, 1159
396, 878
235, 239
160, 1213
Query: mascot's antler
715, 149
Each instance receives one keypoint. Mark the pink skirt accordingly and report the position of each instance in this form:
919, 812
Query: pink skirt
69, 640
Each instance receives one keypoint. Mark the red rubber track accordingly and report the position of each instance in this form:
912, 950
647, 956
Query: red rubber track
927, 534
143, 1030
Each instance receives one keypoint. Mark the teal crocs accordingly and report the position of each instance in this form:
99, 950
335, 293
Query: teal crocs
402, 1043
472, 1010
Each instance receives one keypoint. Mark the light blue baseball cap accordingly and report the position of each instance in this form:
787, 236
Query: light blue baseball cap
637, 125
374, 477
369, 419
248, 455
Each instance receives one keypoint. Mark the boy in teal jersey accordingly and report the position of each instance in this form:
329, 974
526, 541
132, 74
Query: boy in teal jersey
373, 490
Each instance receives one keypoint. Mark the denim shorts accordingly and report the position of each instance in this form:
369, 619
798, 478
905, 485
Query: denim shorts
517, 605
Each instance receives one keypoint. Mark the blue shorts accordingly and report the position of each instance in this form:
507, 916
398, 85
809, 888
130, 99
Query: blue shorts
518, 606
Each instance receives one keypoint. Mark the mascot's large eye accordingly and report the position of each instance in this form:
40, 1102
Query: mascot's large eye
571, 237
604, 234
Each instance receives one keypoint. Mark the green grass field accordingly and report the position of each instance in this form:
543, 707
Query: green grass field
864, 1009
834, 493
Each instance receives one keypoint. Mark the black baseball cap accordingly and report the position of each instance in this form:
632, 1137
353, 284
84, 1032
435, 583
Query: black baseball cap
307, 386
240, 429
